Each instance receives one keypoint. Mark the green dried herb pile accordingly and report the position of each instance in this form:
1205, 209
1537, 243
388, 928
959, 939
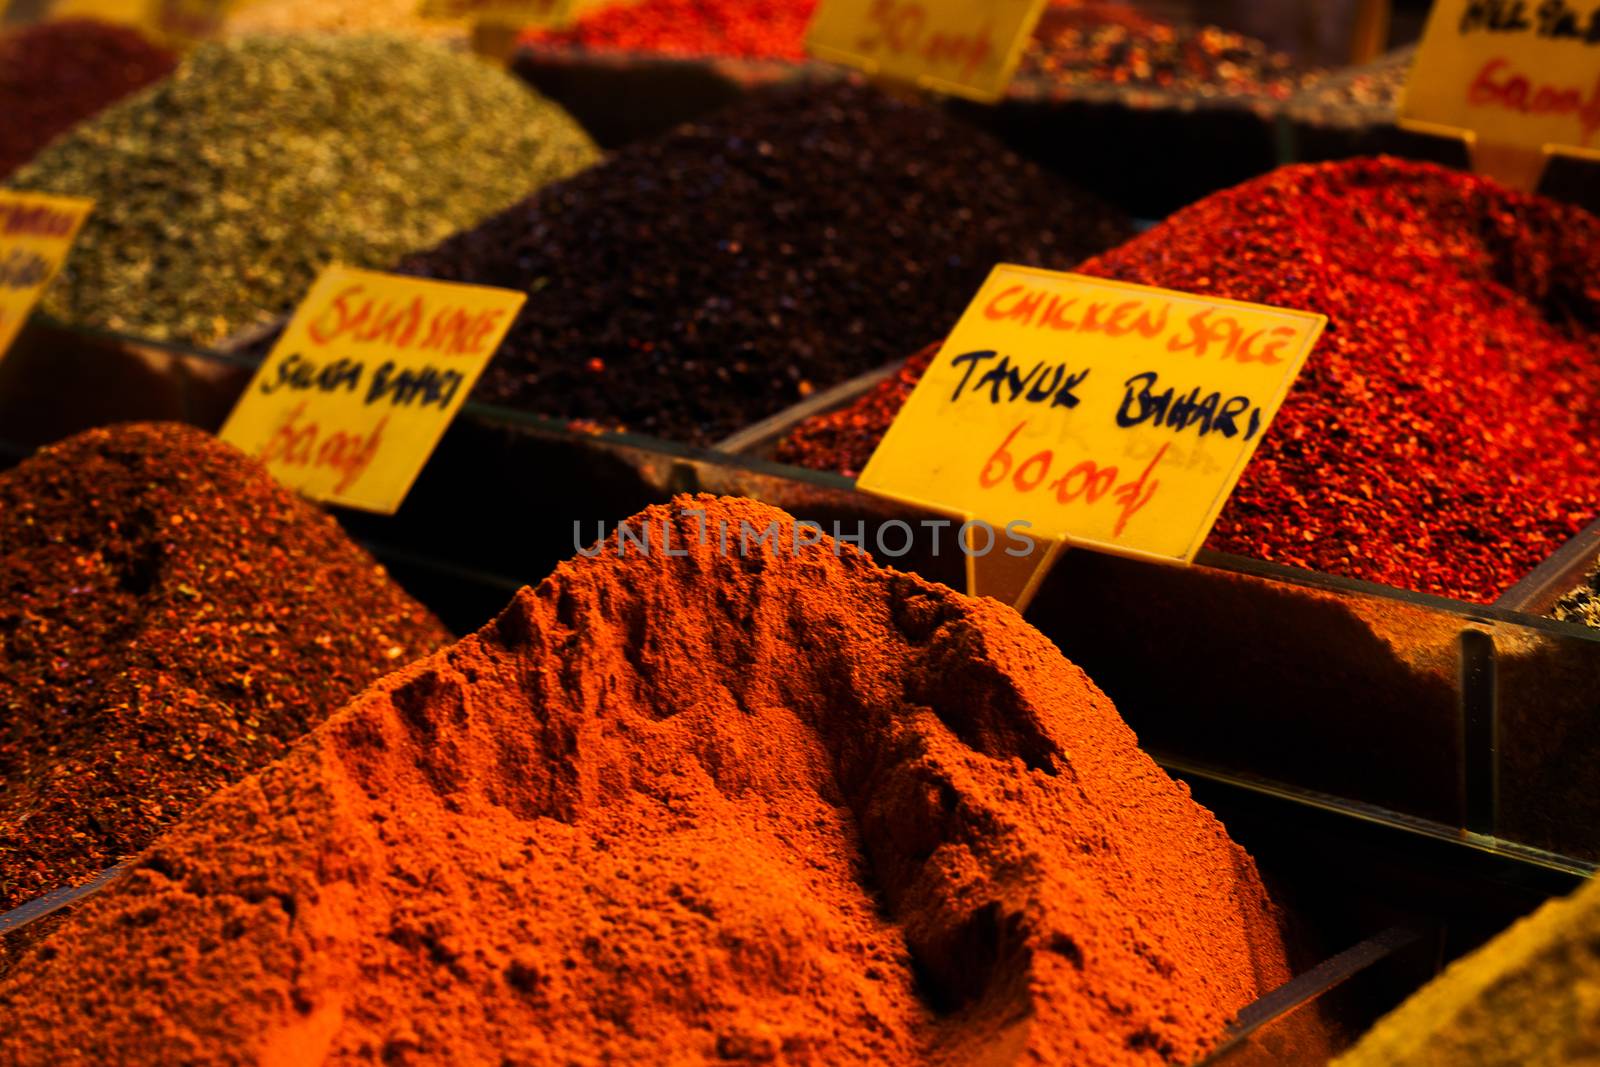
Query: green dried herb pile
223, 190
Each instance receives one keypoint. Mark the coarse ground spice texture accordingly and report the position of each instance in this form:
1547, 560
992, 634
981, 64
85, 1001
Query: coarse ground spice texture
1525, 999
1581, 603
170, 620
767, 29
695, 284
1440, 437
224, 190
785, 807
844, 439
55, 74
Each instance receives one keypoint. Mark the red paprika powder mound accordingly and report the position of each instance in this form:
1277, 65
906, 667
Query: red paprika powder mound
1441, 436
170, 620
688, 806
55, 74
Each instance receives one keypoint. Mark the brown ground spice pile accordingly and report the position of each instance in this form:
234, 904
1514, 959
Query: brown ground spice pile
170, 620
1526, 999
787, 808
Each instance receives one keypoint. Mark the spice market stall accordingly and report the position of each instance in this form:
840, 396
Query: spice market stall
801, 801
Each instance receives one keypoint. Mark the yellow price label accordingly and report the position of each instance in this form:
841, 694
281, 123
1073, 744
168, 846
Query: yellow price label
365, 378
1101, 414
1523, 75
36, 233
965, 48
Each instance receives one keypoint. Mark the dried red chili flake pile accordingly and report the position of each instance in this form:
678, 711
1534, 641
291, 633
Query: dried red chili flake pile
843, 440
55, 74
1441, 437
773, 29
170, 621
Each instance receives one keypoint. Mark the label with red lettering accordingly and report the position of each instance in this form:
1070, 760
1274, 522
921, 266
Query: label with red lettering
355, 395
966, 48
1102, 414
36, 233
1517, 73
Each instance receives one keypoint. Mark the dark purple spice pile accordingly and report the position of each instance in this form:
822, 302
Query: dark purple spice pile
55, 74
700, 282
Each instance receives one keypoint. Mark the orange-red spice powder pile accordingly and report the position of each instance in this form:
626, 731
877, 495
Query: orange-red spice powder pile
171, 619
1441, 436
785, 807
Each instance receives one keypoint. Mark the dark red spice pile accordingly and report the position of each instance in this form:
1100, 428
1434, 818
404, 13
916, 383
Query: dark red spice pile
55, 74
773, 29
1442, 437
170, 620
695, 284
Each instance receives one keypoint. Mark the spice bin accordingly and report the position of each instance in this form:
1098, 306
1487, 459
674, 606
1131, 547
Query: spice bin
1462, 722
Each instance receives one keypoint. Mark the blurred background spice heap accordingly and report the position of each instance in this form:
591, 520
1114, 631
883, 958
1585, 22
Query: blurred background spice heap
55, 74
691, 285
768, 29
171, 619
226, 188
1114, 45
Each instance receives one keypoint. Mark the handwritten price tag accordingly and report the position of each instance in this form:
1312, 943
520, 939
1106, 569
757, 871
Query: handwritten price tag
1522, 75
963, 47
358, 390
36, 233
1103, 414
